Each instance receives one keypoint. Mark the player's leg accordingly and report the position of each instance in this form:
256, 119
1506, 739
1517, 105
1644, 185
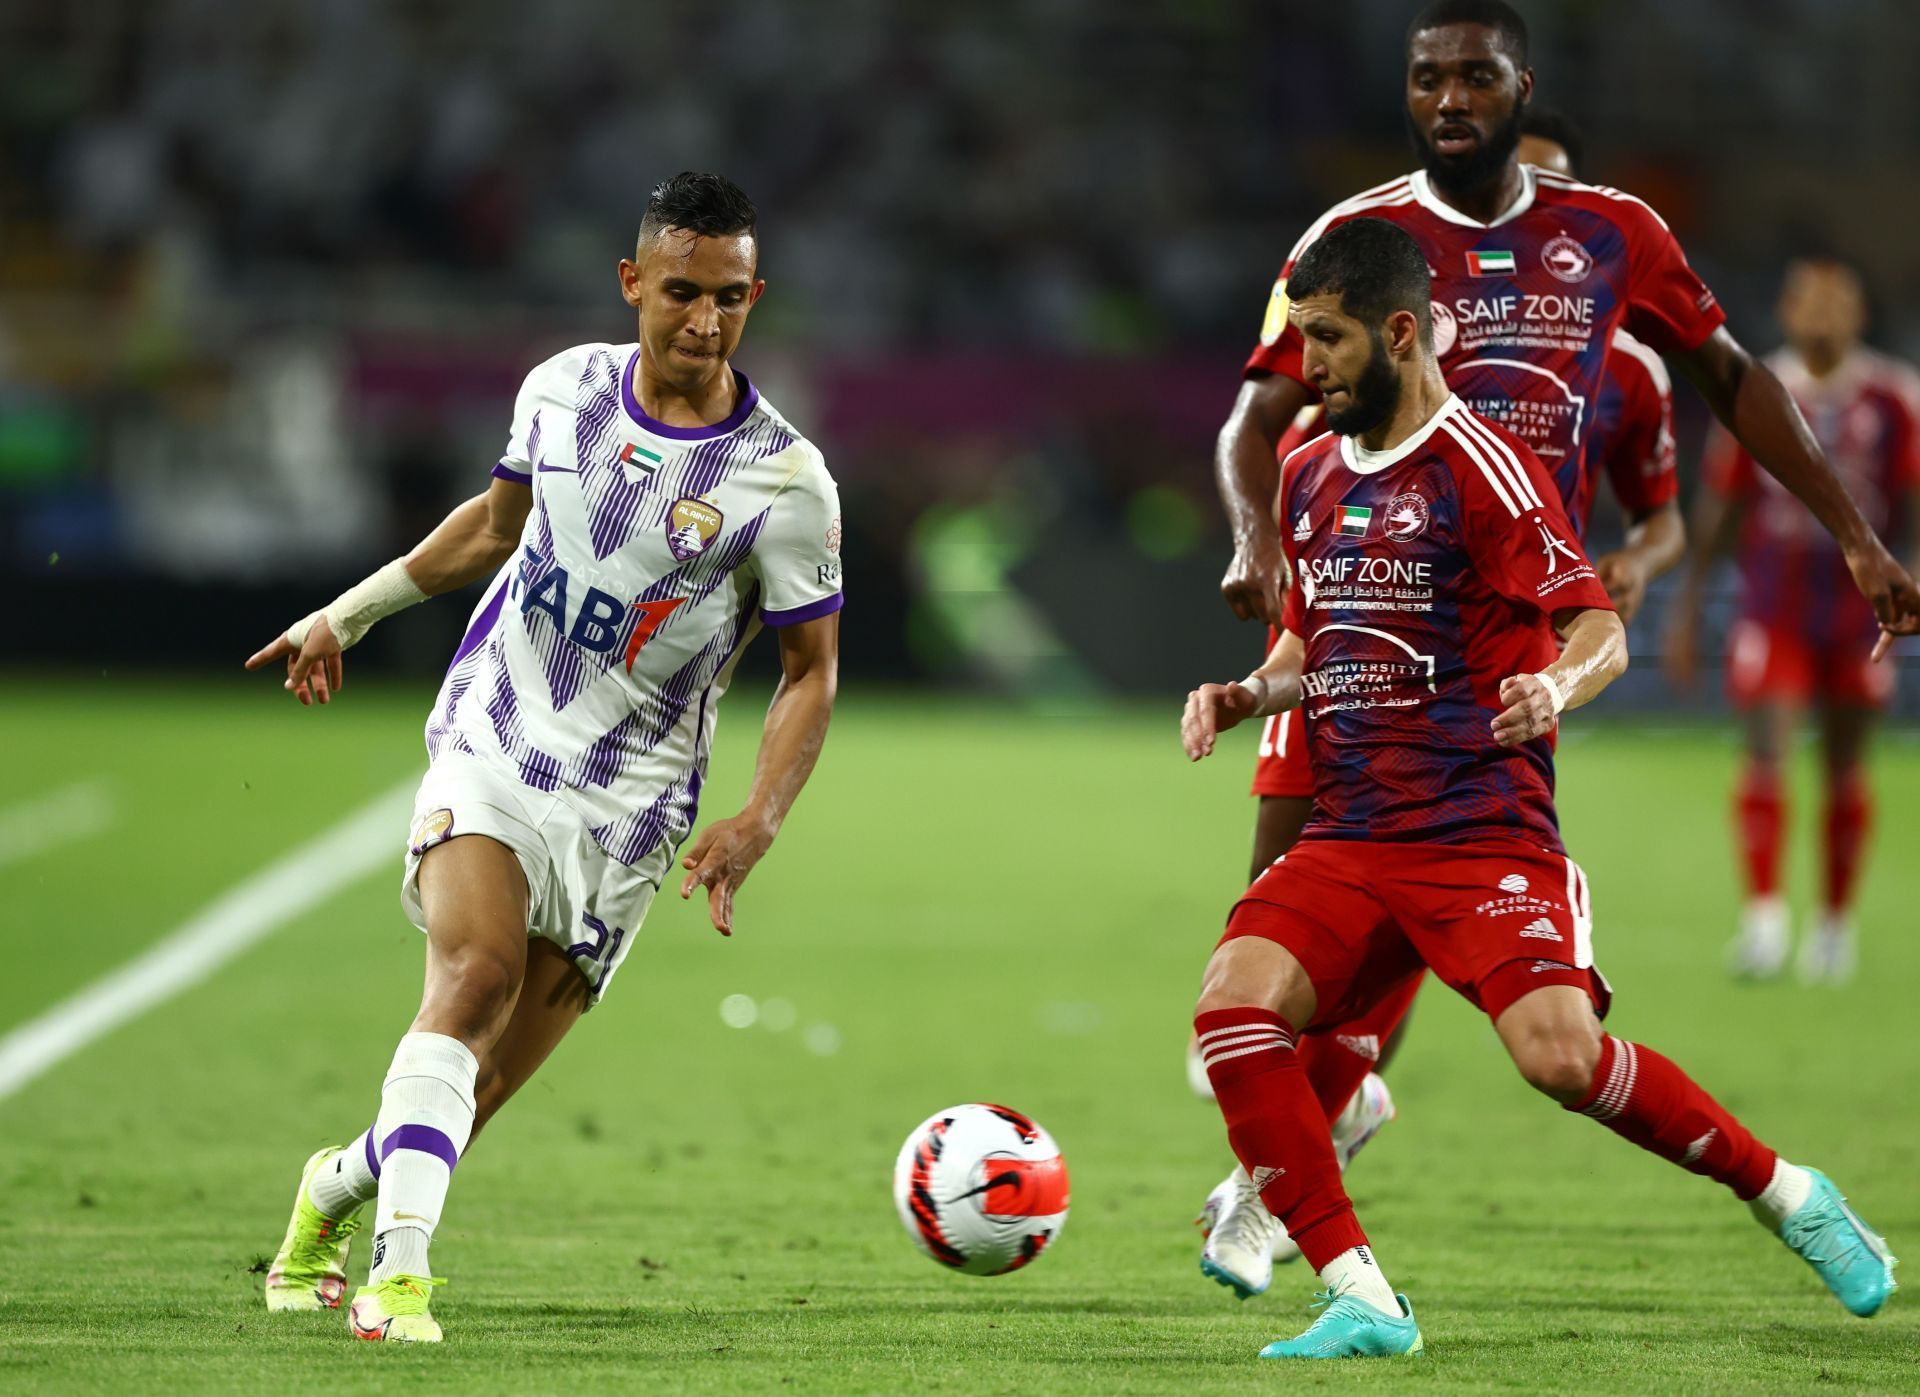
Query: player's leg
1845, 730
553, 996
475, 902
1258, 986
1557, 1041
1764, 689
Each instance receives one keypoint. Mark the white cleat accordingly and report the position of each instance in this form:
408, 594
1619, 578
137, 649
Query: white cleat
1759, 952
1827, 955
1371, 1108
1240, 1236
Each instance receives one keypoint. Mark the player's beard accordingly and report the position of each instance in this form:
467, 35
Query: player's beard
1470, 174
1373, 398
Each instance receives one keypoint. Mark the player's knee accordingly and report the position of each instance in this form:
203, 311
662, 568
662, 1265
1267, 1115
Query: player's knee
472, 993
1560, 1065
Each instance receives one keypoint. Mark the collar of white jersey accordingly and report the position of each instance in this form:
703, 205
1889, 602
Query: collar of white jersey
749, 399
1364, 462
1424, 196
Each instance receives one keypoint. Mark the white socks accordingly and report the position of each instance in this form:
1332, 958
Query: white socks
1781, 1198
426, 1118
1353, 1272
348, 1179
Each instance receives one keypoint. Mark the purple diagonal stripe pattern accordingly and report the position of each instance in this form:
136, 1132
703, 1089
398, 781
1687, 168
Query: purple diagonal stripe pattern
423, 1138
467, 661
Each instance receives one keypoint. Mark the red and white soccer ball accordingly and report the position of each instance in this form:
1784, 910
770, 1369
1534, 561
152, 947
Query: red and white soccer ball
981, 1189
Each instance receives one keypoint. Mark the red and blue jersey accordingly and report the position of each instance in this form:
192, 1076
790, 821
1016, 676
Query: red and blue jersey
1632, 442
1424, 577
1866, 417
1525, 307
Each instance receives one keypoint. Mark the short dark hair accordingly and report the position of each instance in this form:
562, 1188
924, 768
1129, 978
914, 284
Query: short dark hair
1496, 15
711, 205
1374, 267
1555, 126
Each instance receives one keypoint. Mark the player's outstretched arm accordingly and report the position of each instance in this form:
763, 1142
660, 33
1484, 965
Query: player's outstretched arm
726, 851
1746, 396
474, 540
1272, 688
1595, 655
1248, 476
1655, 542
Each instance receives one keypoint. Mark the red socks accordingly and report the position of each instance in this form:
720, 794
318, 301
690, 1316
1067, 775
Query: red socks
1641, 1096
1761, 812
1278, 1129
1337, 1062
1849, 818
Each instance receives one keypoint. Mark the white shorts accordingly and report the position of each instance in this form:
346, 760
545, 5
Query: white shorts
581, 898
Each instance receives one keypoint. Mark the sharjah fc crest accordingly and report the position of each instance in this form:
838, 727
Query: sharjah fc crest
1407, 517
692, 524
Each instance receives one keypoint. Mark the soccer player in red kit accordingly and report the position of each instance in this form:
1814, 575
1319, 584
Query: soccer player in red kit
1803, 637
1444, 616
1533, 275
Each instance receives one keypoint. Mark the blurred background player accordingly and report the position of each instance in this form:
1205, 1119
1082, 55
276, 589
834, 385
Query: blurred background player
1533, 273
650, 513
1444, 618
1803, 637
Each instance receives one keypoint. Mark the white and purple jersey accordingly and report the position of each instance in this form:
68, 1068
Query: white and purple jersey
593, 666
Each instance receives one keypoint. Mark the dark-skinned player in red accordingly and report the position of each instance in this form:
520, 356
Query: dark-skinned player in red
1533, 274
1444, 617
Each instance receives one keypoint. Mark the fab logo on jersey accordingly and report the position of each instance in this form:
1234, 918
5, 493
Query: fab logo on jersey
692, 524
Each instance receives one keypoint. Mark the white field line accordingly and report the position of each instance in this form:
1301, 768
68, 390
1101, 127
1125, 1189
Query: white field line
46, 822
247, 913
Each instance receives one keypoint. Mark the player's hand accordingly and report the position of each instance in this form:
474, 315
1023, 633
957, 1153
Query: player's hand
1211, 710
1890, 588
1529, 712
314, 669
1255, 584
721, 859
1680, 648
1625, 578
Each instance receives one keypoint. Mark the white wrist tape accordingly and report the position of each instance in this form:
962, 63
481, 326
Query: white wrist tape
1553, 692
352, 614
1258, 685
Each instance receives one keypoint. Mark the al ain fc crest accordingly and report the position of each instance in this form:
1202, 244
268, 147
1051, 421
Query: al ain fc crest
692, 525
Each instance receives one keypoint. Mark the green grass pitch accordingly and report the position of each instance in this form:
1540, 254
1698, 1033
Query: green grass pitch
969, 903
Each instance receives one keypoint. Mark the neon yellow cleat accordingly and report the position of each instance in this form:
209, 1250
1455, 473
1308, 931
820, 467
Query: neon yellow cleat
395, 1311
310, 1273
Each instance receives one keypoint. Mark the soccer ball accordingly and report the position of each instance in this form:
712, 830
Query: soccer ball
981, 1188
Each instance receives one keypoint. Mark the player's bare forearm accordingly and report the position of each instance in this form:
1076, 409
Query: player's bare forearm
1594, 654
1248, 478
1755, 406
473, 540
796, 729
1655, 542
1272, 688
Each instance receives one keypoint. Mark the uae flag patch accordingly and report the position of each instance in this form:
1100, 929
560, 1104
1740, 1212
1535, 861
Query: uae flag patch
1353, 520
1490, 264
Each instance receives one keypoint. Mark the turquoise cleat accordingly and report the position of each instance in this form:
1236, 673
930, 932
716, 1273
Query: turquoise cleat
1351, 1328
1847, 1254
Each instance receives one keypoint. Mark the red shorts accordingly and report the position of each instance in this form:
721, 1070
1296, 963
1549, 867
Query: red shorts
1772, 664
1495, 921
1281, 768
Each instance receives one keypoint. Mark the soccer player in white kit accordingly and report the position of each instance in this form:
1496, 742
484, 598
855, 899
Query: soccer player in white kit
651, 512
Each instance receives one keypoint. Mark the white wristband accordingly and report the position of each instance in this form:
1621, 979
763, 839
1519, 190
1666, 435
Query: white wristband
1258, 685
1553, 692
352, 614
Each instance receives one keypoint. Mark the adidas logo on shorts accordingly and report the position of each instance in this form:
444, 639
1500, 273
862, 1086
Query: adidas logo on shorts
1542, 930
1366, 1045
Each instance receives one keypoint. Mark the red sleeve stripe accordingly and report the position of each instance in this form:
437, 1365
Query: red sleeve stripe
1504, 460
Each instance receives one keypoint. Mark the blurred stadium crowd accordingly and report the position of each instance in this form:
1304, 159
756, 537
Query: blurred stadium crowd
270, 272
